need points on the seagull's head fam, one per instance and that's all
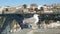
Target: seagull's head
(36, 15)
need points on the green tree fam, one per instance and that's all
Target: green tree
(41, 8)
(25, 6)
(47, 21)
(36, 9)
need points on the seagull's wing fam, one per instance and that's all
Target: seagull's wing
(29, 20)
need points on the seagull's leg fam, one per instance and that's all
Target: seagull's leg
(34, 26)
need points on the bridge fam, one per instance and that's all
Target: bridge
(19, 17)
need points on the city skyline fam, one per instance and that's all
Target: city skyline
(21, 2)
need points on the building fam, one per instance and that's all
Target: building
(56, 8)
(32, 8)
(8, 10)
(47, 9)
(21, 9)
(3, 9)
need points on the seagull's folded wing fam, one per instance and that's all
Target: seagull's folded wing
(29, 20)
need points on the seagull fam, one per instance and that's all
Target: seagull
(31, 20)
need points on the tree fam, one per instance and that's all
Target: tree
(25, 6)
(42, 8)
(36, 9)
(47, 21)
(6, 9)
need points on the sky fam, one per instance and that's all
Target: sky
(21, 2)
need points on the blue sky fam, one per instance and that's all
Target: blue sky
(21, 2)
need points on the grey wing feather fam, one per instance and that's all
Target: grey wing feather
(29, 20)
